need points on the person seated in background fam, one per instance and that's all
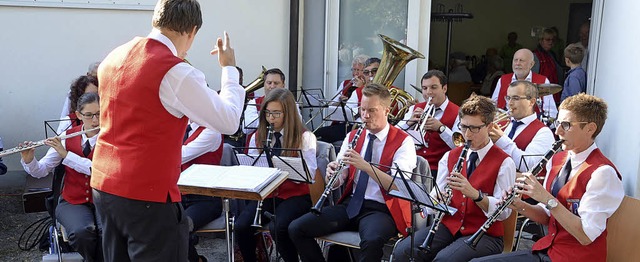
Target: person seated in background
(576, 81)
(546, 62)
(75, 210)
(79, 86)
(508, 50)
(581, 190)
(494, 72)
(291, 198)
(200, 146)
(459, 72)
(3, 167)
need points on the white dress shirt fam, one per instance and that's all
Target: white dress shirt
(308, 149)
(447, 135)
(505, 180)
(41, 168)
(184, 92)
(207, 141)
(405, 158)
(528, 158)
(549, 103)
(602, 197)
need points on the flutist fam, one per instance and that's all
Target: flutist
(365, 207)
(486, 174)
(582, 189)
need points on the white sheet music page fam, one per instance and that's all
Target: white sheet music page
(240, 178)
(294, 167)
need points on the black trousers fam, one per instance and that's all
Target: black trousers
(374, 224)
(446, 247)
(201, 210)
(333, 133)
(286, 210)
(520, 256)
(135, 230)
(83, 228)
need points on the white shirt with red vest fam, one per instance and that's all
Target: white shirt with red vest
(530, 142)
(202, 143)
(75, 164)
(549, 103)
(505, 177)
(593, 196)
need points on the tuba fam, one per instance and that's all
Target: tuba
(395, 57)
(251, 87)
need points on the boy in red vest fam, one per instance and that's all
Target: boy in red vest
(148, 93)
(525, 139)
(581, 191)
(486, 172)
(365, 207)
(439, 128)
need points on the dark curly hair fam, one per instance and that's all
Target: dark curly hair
(78, 86)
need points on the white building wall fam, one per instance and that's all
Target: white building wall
(44, 49)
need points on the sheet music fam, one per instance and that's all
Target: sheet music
(295, 169)
(253, 160)
(240, 178)
(417, 136)
(335, 113)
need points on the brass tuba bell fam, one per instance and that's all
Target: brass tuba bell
(395, 57)
(257, 83)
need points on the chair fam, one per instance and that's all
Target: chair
(623, 230)
(351, 239)
(509, 226)
(325, 153)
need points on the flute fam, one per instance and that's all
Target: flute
(19, 149)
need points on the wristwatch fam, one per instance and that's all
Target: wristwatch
(551, 203)
(441, 129)
(480, 196)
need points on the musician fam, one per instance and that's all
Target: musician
(439, 127)
(581, 191)
(486, 174)
(273, 78)
(79, 86)
(75, 210)
(365, 207)
(357, 77)
(147, 93)
(525, 139)
(91, 71)
(369, 72)
(523, 61)
(200, 146)
(291, 198)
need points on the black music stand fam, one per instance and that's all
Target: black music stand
(417, 136)
(244, 123)
(296, 166)
(47, 126)
(312, 98)
(407, 189)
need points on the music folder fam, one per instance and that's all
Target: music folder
(237, 178)
(403, 187)
(296, 167)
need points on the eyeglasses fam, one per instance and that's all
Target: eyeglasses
(473, 129)
(373, 71)
(275, 114)
(566, 125)
(90, 115)
(516, 98)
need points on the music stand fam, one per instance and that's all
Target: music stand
(407, 189)
(253, 123)
(47, 126)
(292, 165)
(418, 137)
(312, 98)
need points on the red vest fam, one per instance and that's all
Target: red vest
(209, 158)
(437, 147)
(259, 103)
(547, 65)
(470, 217)
(561, 245)
(348, 88)
(138, 154)
(526, 136)
(76, 188)
(400, 209)
(74, 119)
(506, 79)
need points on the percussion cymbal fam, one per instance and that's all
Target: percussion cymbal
(548, 89)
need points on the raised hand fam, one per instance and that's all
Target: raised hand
(226, 55)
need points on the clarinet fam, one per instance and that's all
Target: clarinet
(257, 219)
(426, 245)
(510, 197)
(317, 208)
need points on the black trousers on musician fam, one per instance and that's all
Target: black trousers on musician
(446, 247)
(285, 211)
(135, 230)
(519, 256)
(201, 210)
(374, 224)
(83, 228)
(334, 132)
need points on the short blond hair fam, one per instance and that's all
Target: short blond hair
(587, 108)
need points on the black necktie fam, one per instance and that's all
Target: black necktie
(277, 146)
(87, 149)
(186, 133)
(472, 163)
(561, 179)
(514, 126)
(363, 178)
